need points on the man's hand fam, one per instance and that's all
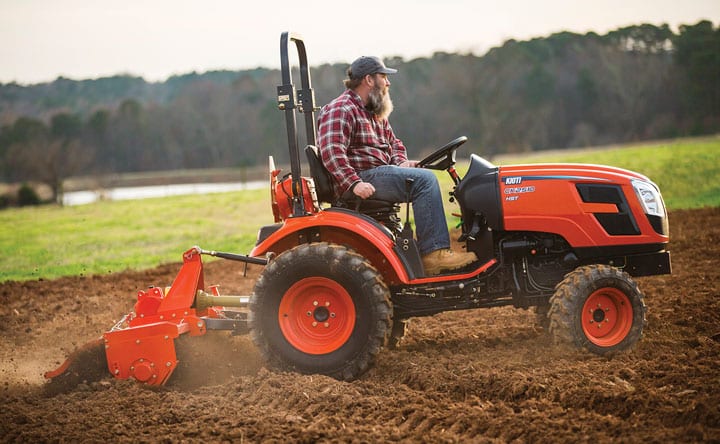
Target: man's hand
(409, 164)
(364, 190)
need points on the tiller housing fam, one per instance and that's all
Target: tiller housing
(142, 344)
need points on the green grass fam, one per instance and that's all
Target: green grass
(104, 237)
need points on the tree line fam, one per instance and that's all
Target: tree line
(565, 90)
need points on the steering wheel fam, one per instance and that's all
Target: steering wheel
(444, 157)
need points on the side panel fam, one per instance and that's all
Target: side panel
(546, 198)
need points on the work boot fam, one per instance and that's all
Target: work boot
(446, 259)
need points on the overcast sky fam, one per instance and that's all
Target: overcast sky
(80, 39)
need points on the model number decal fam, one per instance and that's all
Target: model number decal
(518, 190)
(513, 180)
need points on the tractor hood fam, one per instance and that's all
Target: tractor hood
(588, 205)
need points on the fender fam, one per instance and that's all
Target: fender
(343, 227)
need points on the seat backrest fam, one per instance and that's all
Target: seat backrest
(383, 211)
(321, 176)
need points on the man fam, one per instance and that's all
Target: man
(360, 150)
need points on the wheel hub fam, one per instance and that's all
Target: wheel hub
(321, 314)
(607, 317)
(599, 315)
(316, 315)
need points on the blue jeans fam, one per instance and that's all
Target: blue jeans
(431, 226)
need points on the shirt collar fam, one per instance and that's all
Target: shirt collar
(358, 101)
(355, 97)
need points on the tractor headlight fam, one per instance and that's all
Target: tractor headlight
(649, 197)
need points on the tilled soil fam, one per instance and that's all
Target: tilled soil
(475, 376)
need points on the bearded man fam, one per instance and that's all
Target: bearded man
(358, 147)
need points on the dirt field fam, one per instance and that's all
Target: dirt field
(475, 376)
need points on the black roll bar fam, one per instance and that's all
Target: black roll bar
(288, 100)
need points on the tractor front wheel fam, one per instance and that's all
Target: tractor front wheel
(599, 308)
(320, 308)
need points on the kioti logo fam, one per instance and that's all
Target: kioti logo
(513, 180)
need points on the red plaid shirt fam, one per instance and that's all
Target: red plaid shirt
(352, 139)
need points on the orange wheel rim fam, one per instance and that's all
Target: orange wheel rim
(607, 317)
(316, 315)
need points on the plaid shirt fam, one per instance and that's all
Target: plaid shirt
(352, 139)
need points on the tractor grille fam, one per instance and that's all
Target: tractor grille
(621, 223)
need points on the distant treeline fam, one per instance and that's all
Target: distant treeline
(566, 90)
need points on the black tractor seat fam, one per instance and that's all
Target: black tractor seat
(385, 212)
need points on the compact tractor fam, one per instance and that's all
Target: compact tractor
(342, 278)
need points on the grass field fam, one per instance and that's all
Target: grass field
(105, 237)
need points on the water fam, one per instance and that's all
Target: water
(127, 193)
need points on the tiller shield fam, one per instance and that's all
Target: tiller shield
(142, 344)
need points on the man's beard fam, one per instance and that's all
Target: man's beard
(379, 103)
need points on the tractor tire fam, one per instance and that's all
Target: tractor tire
(320, 309)
(598, 308)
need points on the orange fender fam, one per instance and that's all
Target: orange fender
(354, 231)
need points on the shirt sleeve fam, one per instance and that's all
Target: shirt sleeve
(334, 132)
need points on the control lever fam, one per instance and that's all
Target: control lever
(408, 185)
(405, 240)
(474, 230)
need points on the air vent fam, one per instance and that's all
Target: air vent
(621, 223)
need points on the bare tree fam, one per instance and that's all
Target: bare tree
(50, 161)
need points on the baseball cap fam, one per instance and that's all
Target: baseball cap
(365, 65)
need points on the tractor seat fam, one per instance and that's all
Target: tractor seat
(382, 210)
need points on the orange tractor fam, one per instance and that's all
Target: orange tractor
(341, 279)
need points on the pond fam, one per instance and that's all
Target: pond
(127, 193)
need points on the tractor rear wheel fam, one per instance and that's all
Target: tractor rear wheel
(320, 308)
(599, 308)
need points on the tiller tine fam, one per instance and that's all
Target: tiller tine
(86, 364)
(141, 346)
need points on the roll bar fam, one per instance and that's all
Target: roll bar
(290, 99)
